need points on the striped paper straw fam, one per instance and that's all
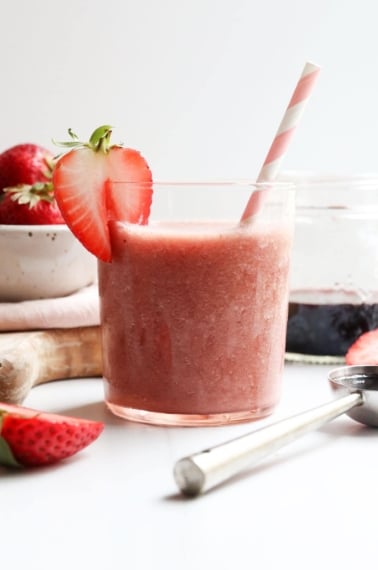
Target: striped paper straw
(288, 125)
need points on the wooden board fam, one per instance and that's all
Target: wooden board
(35, 357)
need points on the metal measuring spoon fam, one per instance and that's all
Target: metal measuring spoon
(358, 388)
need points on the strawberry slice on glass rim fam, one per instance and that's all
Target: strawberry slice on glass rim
(97, 182)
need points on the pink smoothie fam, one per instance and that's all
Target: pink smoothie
(194, 318)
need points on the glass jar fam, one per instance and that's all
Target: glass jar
(334, 272)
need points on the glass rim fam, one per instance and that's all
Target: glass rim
(214, 183)
(311, 178)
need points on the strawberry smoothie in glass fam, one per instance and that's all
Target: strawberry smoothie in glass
(194, 306)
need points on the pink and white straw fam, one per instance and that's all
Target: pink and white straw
(285, 132)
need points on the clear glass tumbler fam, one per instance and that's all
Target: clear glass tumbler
(194, 306)
(334, 272)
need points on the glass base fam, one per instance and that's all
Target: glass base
(314, 359)
(187, 420)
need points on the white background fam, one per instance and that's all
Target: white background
(199, 86)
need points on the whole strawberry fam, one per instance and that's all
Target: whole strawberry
(26, 191)
(29, 438)
(25, 164)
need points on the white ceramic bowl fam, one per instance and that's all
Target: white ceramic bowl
(39, 262)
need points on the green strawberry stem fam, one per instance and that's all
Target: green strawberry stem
(100, 139)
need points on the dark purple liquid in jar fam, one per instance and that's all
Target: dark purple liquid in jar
(327, 328)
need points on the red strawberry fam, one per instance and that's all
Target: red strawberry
(25, 164)
(97, 182)
(364, 350)
(30, 205)
(30, 438)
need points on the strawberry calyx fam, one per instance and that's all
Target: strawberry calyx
(30, 194)
(99, 141)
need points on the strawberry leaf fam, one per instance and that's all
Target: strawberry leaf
(31, 194)
(73, 135)
(6, 456)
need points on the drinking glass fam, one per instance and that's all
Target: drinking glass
(194, 305)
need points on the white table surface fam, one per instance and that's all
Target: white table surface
(311, 505)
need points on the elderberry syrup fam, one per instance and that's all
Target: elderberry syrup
(328, 329)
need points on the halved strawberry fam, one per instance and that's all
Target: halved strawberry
(95, 183)
(31, 438)
(364, 350)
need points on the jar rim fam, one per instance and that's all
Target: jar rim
(311, 178)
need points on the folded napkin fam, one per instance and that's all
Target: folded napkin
(80, 309)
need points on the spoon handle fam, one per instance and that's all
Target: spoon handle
(200, 472)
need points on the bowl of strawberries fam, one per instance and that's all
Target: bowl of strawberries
(39, 255)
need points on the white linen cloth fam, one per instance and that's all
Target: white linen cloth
(80, 309)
